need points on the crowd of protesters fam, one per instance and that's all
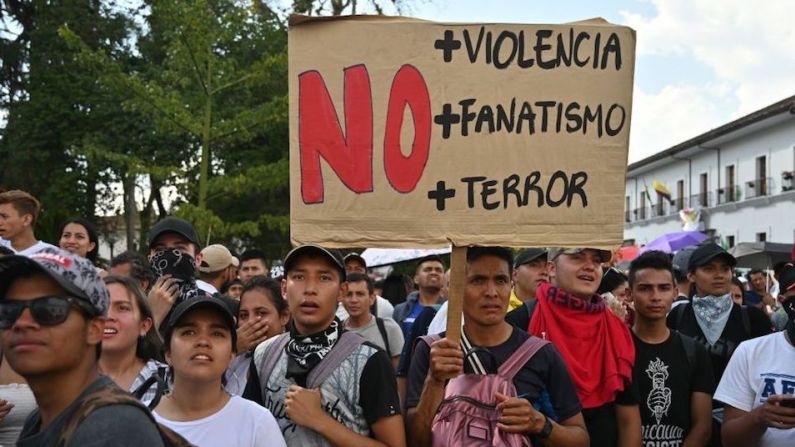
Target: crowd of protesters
(192, 345)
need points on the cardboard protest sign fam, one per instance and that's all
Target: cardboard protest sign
(407, 133)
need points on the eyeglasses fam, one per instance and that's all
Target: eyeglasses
(46, 310)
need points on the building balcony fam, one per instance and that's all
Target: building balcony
(787, 181)
(728, 195)
(758, 188)
(703, 200)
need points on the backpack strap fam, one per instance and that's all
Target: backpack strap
(269, 358)
(689, 345)
(746, 319)
(344, 347)
(531, 307)
(428, 339)
(382, 329)
(679, 315)
(521, 356)
(159, 378)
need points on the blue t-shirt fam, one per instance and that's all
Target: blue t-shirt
(409, 320)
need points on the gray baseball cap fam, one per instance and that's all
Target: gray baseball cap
(75, 274)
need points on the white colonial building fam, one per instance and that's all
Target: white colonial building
(738, 177)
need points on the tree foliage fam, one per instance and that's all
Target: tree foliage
(162, 107)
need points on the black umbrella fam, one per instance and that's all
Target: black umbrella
(761, 255)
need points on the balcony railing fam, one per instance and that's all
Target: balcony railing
(728, 195)
(758, 188)
(787, 181)
(703, 200)
(748, 190)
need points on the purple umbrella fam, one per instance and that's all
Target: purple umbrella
(672, 242)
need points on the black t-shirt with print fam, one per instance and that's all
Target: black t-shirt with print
(666, 381)
(544, 380)
(733, 333)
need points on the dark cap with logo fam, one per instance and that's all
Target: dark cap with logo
(333, 256)
(174, 225)
(203, 301)
(529, 255)
(75, 274)
(705, 253)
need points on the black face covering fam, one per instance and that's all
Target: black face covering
(304, 352)
(179, 266)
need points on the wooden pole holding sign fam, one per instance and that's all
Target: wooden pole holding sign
(455, 302)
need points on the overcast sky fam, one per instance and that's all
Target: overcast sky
(700, 63)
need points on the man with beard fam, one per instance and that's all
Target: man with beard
(429, 278)
(758, 386)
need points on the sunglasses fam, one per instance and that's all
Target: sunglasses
(46, 310)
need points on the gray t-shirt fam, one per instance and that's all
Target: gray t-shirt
(371, 333)
(113, 425)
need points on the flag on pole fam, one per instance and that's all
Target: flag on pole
(662, 191)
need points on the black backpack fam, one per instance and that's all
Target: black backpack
(679, 316)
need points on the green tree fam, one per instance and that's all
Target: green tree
(212, 74)
(51, 105)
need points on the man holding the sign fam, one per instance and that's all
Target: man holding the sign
(543, 381)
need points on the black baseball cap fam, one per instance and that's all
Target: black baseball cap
(529, 255)
(356, 256)
(203, 301)
(174, 225)
(333, 256)
(704, 254)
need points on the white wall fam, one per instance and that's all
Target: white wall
(773, 215)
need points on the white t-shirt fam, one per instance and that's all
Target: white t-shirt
(35, 248)
(240, 423)
(371, 333)
(439, 322)
(760, 367)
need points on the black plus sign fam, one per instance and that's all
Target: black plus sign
(448, 45)
(441, 194)
(446, 119)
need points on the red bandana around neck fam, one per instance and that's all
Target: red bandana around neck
(595, 344)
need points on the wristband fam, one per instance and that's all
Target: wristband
(547, 430)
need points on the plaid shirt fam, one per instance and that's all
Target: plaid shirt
(149, 369)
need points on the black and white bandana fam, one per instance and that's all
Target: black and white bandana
(304, 352)
(181, 267)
